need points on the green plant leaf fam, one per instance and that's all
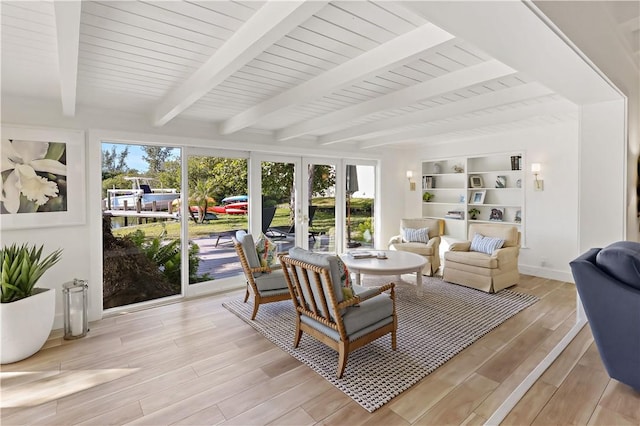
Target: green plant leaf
(55, 150)
(21, 268)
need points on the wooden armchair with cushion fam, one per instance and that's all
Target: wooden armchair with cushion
(342, 317)
(414, 239)
(488, 261)
(266, 281)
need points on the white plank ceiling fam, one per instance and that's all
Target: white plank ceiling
(363, 73)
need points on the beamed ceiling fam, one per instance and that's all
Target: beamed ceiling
(362, 73)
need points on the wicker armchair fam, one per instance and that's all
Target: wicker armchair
(266, 284)
(323, 312)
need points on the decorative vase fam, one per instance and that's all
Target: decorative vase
(26, 325)
(436, 168)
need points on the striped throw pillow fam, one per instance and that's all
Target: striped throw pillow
(486, 245)
(411, 235)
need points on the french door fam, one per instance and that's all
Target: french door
(320, 201)
(303, 192)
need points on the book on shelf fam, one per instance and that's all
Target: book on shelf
(428, 182)
(454, 214)
(516, 162)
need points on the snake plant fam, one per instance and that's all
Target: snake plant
(20, 269)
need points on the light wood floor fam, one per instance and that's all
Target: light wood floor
(196, 363)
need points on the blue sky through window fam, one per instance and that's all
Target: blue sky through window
(134, 159)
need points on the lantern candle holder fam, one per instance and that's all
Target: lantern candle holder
(75, 309)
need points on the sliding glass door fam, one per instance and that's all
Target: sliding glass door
(140, 223)
(151, 191)
(217, 207)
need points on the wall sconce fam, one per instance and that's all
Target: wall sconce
(412, 184)
(538, 184)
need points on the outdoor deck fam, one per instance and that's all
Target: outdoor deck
(219, 259)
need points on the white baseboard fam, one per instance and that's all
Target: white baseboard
(552, 274)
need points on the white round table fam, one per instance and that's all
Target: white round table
(396, 263)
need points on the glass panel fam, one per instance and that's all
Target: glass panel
(278, 192)
(218, 205)
(360, 196)
(141, 225)
(321, 185)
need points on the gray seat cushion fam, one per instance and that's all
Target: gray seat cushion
(272, 281)
(367, 313)
(359, 320)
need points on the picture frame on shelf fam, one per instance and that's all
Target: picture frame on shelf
(497, 214)
(501, 181)
(478, 197)
(475, 181)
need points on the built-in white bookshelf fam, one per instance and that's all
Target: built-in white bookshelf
(492, 184)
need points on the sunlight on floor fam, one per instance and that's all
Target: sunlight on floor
(27, 389)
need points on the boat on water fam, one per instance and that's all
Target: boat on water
(144, 191)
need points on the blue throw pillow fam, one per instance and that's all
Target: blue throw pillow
(486, 245)
(411, 235)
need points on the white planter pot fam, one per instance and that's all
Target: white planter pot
(26, 325)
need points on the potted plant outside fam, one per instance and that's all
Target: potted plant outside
(26, 311)
(474, 213)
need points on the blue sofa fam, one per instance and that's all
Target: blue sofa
(608, 282)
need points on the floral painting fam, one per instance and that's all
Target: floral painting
(34, 176)
(42, 180)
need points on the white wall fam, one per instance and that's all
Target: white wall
(602, 175)
(551, 216)
(394, 193)
(589, 25)
(74, 263)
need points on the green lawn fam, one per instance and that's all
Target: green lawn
(323, 220)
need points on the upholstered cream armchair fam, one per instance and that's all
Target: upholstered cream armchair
(418, 242)
(478, 263)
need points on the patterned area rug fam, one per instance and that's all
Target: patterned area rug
(432, 329)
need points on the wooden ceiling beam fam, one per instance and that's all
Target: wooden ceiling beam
(267, 25)
(67, 15)
(385, 57)
(449, 82)
(551, 107)
(476, 103)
